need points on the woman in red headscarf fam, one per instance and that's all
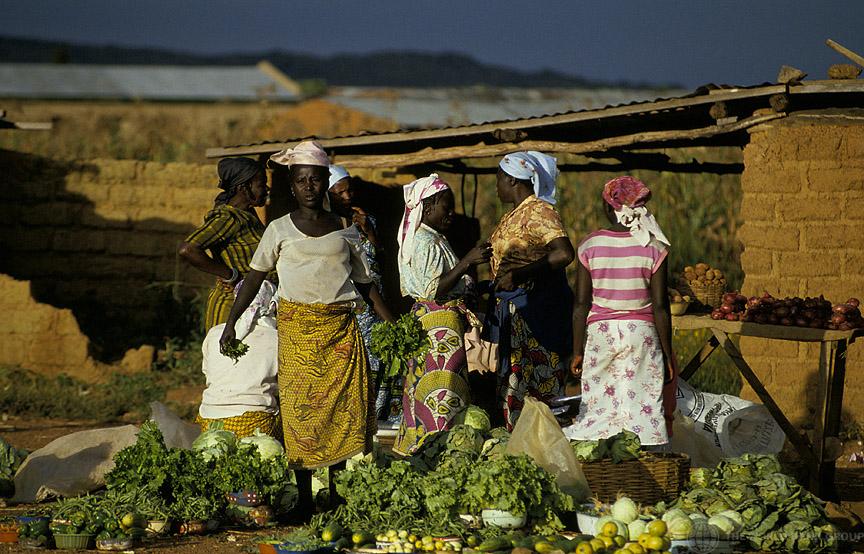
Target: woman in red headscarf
(622, 337)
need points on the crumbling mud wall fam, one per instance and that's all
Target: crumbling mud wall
(89, 248)
(803, 235)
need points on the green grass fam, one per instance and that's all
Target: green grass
(718, 374)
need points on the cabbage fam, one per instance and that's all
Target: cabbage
(723, 524)
(735, 517)
(475, 417)
(215, 441)
(625, 510)
(464, 438)
(701, 530)
(672, 514)
(622, 527)
(698, 516)
(679, 527)
(700, 477)
(267, 446)
(586, 451)
(637, 527)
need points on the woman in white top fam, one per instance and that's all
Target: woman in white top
(324, 389)
(436, 387)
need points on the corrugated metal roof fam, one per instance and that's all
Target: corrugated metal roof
(134, 82)
(426, 108)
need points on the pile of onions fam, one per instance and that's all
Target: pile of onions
(846, 316)
(732, 309)
(816, 313)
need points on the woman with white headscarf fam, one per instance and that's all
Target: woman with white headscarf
(343, 200)
(436, 387)
(531, 321)
(622, 325)
(325, 395)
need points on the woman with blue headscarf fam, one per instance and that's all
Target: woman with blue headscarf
(531, 321)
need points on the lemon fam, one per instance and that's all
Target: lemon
(607, 541)
(584, 548)
(643, 540)
(654, 543)
(657, 528)
(403, 534)
(635, 548)
(412, 537)
(609, 529)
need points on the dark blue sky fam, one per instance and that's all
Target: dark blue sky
(689, 42)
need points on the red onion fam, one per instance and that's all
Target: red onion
(786, 321)
(837, 319)
(854, 302)
(731, 317)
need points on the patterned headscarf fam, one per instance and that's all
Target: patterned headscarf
(234, 173)
(539, 168)
(414, 193)
(628, 196)
(337, 173)
(308, 152)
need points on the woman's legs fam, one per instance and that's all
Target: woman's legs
(305, 502)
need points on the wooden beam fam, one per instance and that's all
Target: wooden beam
(670, 104)
(34, 125)
(857, 58)
(483, 150)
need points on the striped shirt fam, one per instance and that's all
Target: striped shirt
(621, 271)
(231, 235)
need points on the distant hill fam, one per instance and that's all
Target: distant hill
(388, 69)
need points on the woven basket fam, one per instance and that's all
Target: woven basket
(648, 480)
(709, 294)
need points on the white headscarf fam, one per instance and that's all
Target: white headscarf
(337, 173)
(414, 193)
(263, 305)
(642, 224)
(537, 167)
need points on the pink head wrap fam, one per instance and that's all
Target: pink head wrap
(626, 191)
(627, 196)
(414, 193)
(308, 152)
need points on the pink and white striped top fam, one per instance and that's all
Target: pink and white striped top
(621, 271)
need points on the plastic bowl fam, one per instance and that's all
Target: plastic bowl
(158, 526)
(503, 519)
(72, 542)
(586, 523)
(244, 498)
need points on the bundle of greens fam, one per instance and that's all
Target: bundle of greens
(10, 459)
(396, 343)
(236, 350)
(618, 448)
(517, 484)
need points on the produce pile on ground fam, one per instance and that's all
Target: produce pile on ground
(743, 499)
(816, 313)
(221, 479)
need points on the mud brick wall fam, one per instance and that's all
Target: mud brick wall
(803, 235)
(89, 249)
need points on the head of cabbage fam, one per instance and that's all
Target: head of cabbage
(215, 441)
(267, 446)
(475, 417)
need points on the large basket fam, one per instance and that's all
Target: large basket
(709, 294)
(648, 480)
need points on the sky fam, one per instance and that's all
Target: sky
(690, 42)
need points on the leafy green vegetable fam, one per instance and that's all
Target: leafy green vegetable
(10, 459)
(397, 343)
(267, 446)
(464, 438)
(215, 441)
(620, 447)
(475, 417)
(236, 350)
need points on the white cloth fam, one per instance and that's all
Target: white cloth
(433, 258)
(313, 270)
(263, 305)
(642, 224)
(414, 193)
(337, 173)
(537, 167)
(250, 384)
(622, 383)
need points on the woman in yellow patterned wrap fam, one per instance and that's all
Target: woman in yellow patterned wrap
(325, 393)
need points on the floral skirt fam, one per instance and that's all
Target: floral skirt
(246, 424)
(534, 371)
(436, 388)
(622, 383)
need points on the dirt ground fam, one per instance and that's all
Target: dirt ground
(35, 433)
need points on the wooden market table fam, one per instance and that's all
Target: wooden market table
(832, 375)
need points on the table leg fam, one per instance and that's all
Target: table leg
(832, 374)
(799, 441)
(699, 359)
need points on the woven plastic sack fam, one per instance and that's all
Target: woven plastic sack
(538, 434)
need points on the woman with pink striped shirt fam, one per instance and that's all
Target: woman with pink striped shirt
(622, 325)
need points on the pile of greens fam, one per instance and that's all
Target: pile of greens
(460, 471)
(10, 459)
(618, 448)
(768, 508)
(396, 343)
(192, 484)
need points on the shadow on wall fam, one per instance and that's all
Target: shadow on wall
(103, 262)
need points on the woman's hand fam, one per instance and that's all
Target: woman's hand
(480, 254)
(576, 366)
(227, 338)
(361, 220)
